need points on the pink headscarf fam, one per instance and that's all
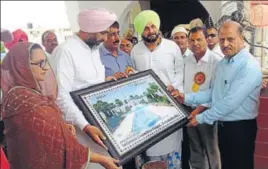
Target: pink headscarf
(95, 20)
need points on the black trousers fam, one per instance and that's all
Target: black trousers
(185, 154)
(237, 143)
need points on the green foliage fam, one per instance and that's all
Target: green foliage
(3, 48)
(152, 94)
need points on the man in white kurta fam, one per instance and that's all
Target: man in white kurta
(164, 58)
(200, 68)
(180, 36)
(77, 65)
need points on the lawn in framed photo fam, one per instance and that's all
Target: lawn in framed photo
(134, 113)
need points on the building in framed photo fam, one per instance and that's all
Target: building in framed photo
(134, 113)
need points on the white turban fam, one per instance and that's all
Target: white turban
(178, 29)
(96, 20)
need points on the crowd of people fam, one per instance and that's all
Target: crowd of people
(206, 68)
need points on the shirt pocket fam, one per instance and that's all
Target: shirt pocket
(226, 88)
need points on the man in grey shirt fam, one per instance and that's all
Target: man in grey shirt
(114, 60)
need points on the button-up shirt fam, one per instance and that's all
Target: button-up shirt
(187, 53)
(165, 60)
(112, 63)
(235, 92)
(207, 65)
(76, 66)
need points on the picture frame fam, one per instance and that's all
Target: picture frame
(133, 113)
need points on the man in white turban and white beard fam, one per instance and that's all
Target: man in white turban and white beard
(76, 64)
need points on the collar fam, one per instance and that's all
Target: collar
(241, 55)
(105, 51)
(186, 53)
(81, 41)
(216, 47)
(205, 58)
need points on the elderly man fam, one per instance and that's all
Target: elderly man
(114, 60)
(126, 46)
(164, 58)
(199, 69)
(49, 41)
(235, 99)
(180, 36)
(213, 41)
(77, 64)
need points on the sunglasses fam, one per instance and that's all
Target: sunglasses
(212, 35)
(42, 64)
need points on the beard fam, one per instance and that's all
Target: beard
(93, 42)
(151, 38)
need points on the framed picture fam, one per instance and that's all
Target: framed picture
(134, 113)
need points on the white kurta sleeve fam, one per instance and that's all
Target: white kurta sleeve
(64, 69)
(177, 82)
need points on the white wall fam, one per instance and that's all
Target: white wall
(73, 8)
(121, 8)
(213, 8)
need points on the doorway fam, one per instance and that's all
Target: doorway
(173, 12)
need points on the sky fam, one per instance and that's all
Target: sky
(45, 14)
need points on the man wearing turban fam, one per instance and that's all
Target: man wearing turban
(77, 64)
(164, 57)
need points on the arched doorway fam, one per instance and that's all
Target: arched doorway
(173, 13)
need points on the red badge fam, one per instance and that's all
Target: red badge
(199, 78)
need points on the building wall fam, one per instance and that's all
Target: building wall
(119, 7)
(125, 10)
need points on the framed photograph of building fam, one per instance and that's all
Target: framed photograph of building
(134, 113)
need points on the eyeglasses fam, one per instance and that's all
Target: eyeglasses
(212, 35)
(42, 64)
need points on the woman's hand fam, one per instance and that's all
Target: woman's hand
(105, 161)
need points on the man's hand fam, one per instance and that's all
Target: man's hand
(178, 96)
(194, 113)
(109, 78)
(119, 75)
(199, 109)
(264, 83)
(193, 122)
(95, 134)
(170, 88)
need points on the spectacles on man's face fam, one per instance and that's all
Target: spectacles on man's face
(42, 64)
(212, 35)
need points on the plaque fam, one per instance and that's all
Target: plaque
(134, 113)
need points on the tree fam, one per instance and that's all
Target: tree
(142, 101)
(2, 48)
(118, 102)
